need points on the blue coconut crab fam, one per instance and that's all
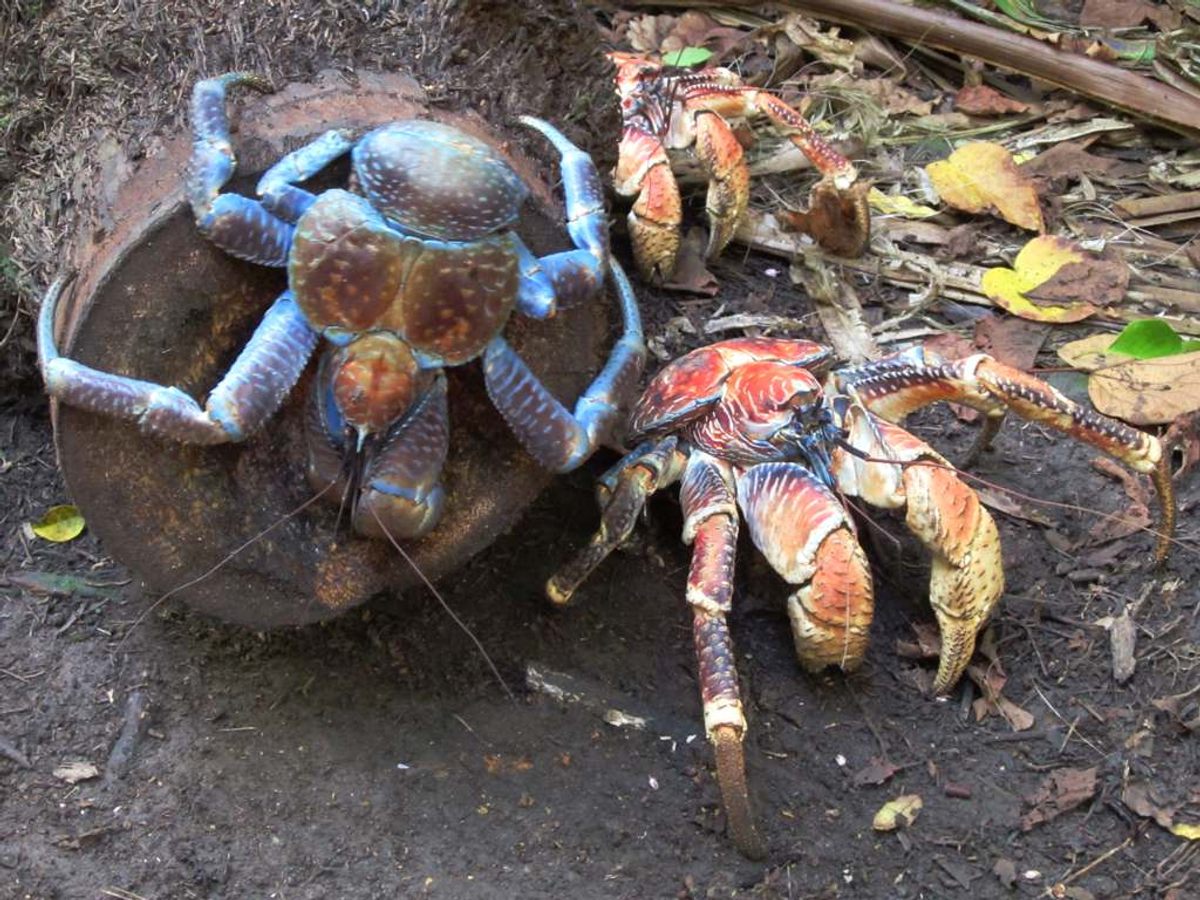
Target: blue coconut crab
(417, 271)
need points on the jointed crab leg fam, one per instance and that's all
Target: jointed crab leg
(249, 394)
(711, 525)
(728, 180)
(277, 187)
(893, 388)
(623, 492)
(572, 276)
(239, 225)
(557, 438)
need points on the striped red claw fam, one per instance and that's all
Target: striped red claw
(750, 433)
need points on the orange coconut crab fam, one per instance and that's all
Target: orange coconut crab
(745, 425)
(665, 109)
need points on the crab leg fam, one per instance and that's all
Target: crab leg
(806, 535)
(946, 516)
(559, 439)
(622, 492)
(237, 224)
(277, 187)
(895, 387)
(711, 525)
(574, 275)
(644, 171)
(249, 394)
(728, 179)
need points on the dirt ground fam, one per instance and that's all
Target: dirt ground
(377, 755)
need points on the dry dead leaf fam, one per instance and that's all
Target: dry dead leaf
(1049, 279)
(691, 273)
(1127, 14)
(899, 812)
(1061, 791)
(74, 772)
(1069, 160)
(1141, 798)
(892, 97)
(1148, 391)
(1013, 341)
(877, 771)
(991, 681)
(1133, 517)
(1091, 353)
(981, 100)
(982, 176)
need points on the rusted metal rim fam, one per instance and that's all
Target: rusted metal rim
(154, 300)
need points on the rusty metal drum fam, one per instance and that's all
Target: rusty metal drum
(230, 529)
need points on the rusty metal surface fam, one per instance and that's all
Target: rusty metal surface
(154, 300)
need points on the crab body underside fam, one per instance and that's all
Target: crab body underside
(414, 271)
(749, 433)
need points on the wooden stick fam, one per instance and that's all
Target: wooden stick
(1102, 81)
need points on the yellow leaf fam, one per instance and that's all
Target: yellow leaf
(1037, 263)
(982, 176)
(59, 524)
(1188, 832)
(1091, 353)
(898, 205)
(901, 811)
(1148, 391)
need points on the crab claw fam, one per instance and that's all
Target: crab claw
(838, 220)
(644, 171)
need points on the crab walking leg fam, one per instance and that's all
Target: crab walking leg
(240, 226)
(576, 275)
(804, 532)
(728, 179)
(557, 438)
(740, 101)
(644, 172)
(711, 525)
(249, 394)
(946, 516)
(277, 187)
(402, 483)
(893, 388)
(623, 492)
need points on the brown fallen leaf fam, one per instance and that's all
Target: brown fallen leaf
(1053, 279)
(837, 220)
(1103, 280)
(1148, 391)
(691, 273)
(1013, 341)
(1127, 14)
(890, 96)
(1142, 799)
(877, 771)
(991, 681)
(982, 100)
(74, 772)
(1061, 791)
(981, 177)
(1068, 161)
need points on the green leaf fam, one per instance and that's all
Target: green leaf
(688, 56)
(59, 524)
(1150, 339)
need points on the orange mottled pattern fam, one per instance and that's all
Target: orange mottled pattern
(346, 269)
(838, 605)
(375, 381)
(455, 299)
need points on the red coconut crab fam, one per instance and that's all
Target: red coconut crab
(416, 272)
(745, 425)
(667, 109)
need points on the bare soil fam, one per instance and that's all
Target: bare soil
(378, 756)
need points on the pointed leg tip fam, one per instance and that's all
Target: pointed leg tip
(735, 796)
(559, 592)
